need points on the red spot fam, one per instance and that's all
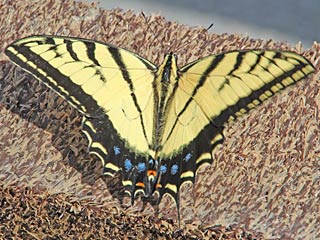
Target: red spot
(152, 173)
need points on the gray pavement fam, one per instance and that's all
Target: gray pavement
(281, 20)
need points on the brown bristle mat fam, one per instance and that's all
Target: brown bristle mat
(264, 182)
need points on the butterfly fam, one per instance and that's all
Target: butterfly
(155, 124)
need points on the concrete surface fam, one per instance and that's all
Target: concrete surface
(282, 20)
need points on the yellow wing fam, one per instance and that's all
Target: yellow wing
(99, 80)
(212, 91)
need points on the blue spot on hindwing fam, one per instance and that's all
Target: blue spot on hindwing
(116, 150)
(153, 162)
(163, 169)
(188, 157)
(141, 167)
(128, 165)
(174, 169)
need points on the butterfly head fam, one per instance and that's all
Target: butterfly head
(167, 70)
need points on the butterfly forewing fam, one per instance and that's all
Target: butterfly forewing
(97, 79)
(236, 82)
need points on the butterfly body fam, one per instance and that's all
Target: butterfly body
(157, 125)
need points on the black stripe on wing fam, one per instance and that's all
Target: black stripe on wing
(202, 81)
(243, 103)
(304, 67)
(53, 78)
(126, 76)
(45, 71)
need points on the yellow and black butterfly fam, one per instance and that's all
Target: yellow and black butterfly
(156, 124)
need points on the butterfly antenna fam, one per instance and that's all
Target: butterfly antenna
(155, 34)
(210, 26)
(149, 28)
(193, 38)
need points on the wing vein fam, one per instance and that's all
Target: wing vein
(126, 76)
(201, 82)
